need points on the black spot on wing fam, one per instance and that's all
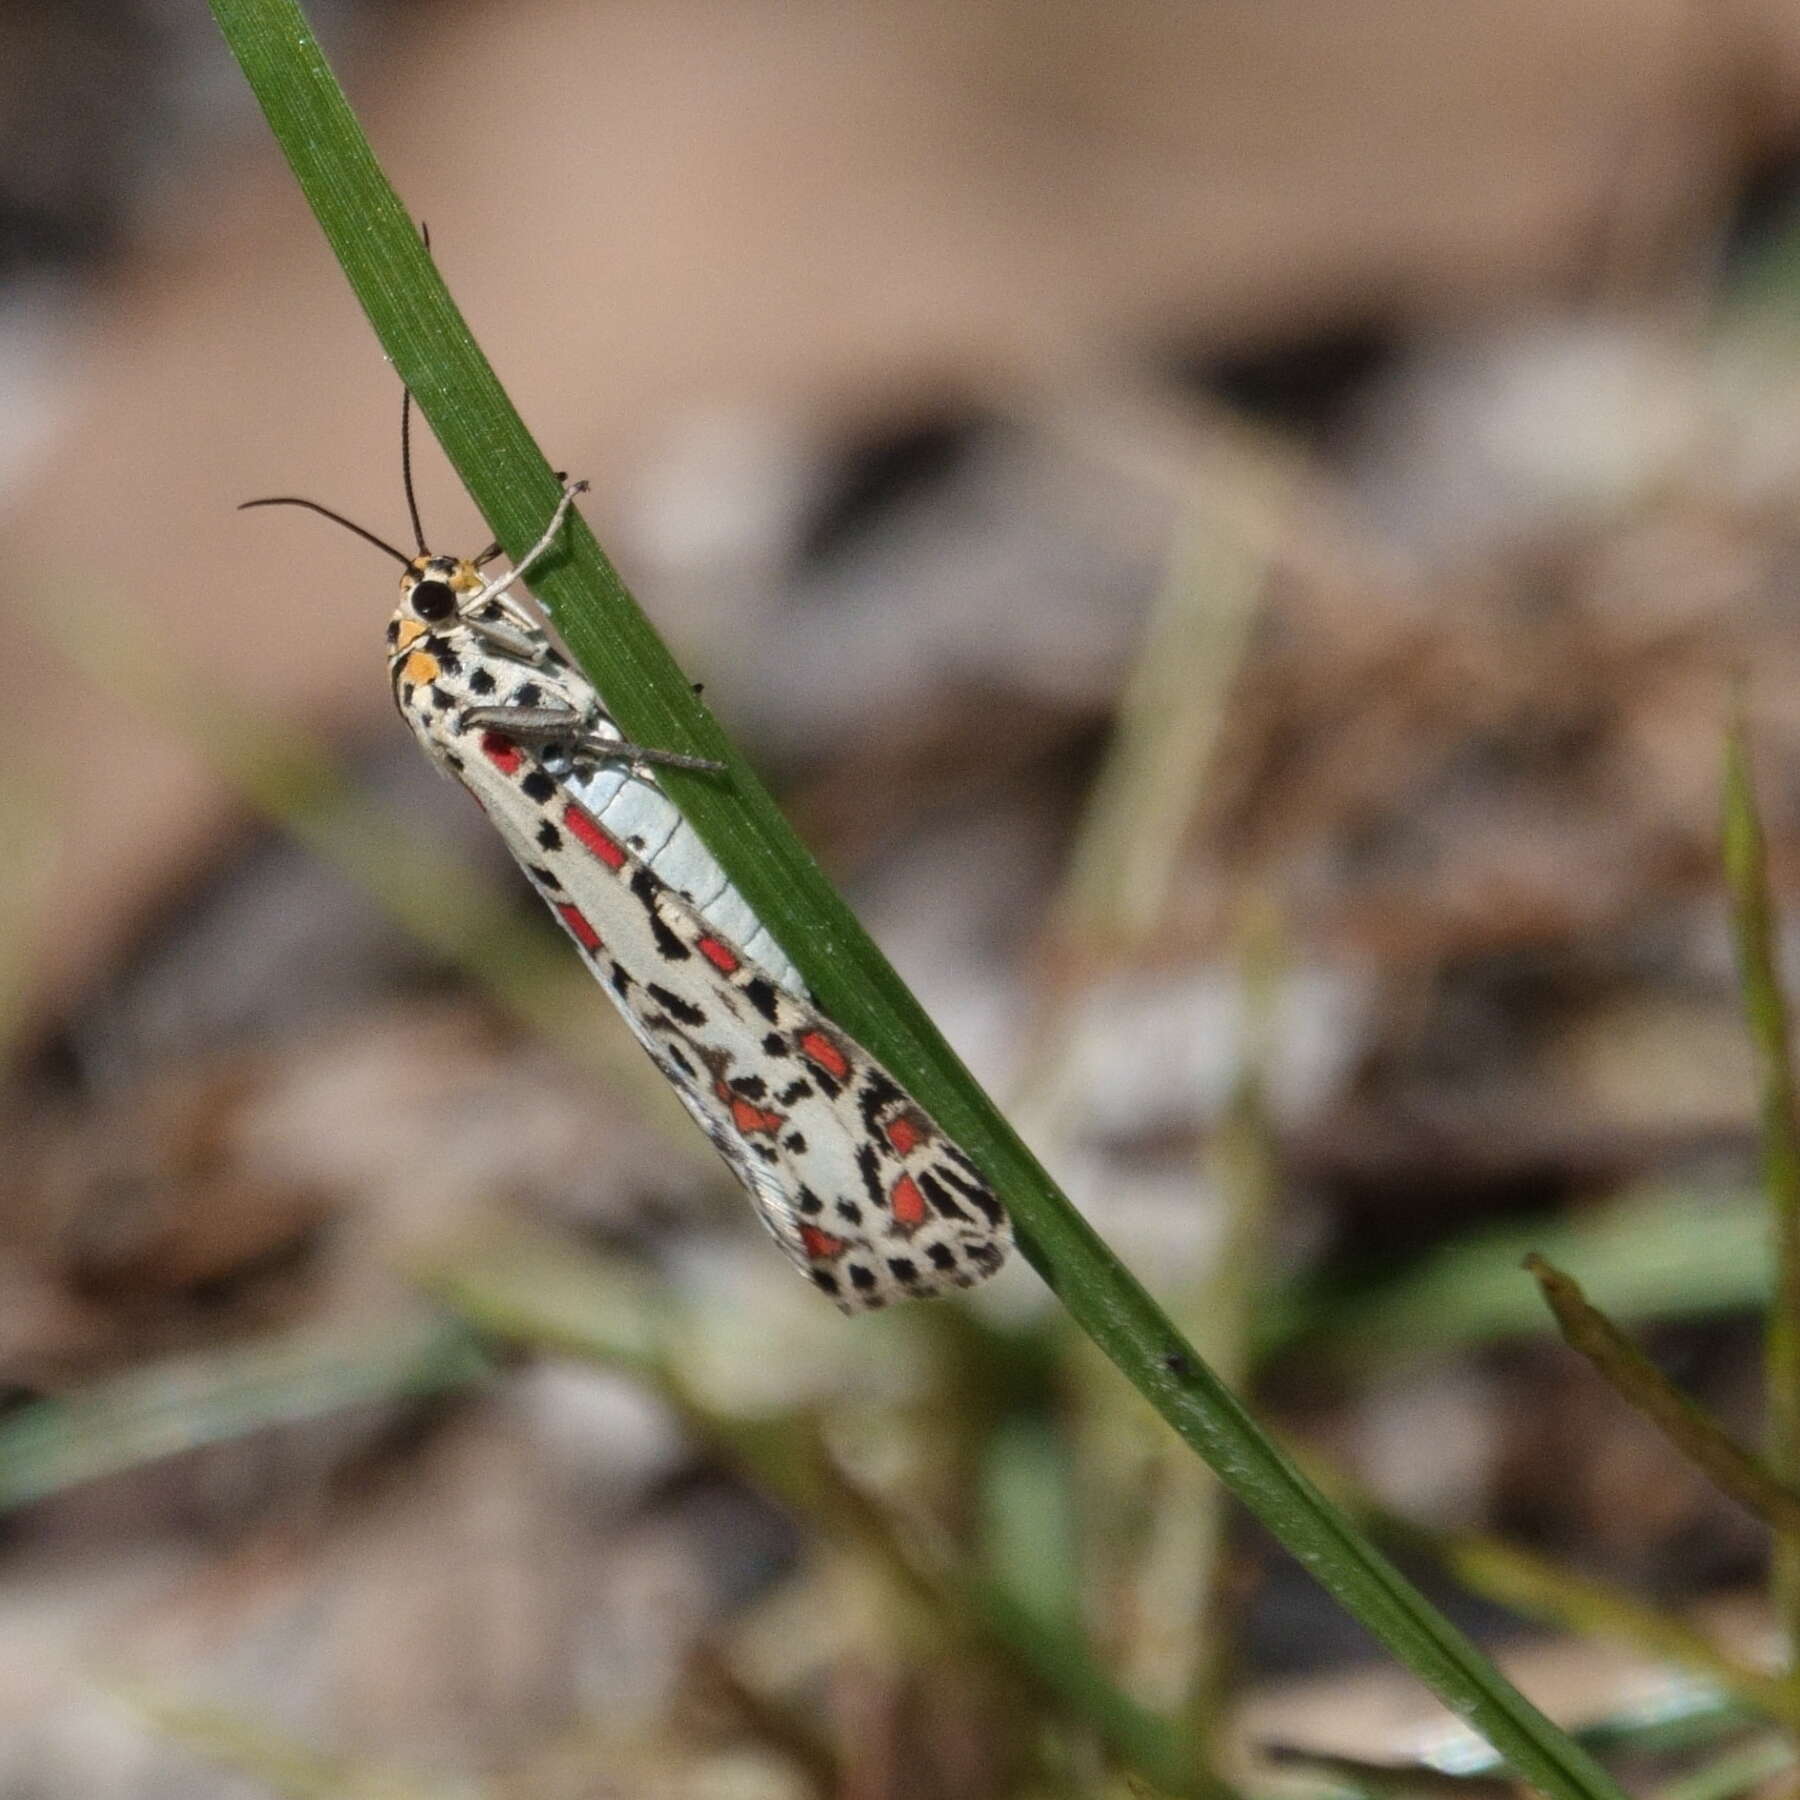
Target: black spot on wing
(676, 1007)
(962, 1162)
(941, 1203)
(878, 1091)
(760, 991)
(974, 1190)
(647, 888)
(539, 787)
(868, 1165)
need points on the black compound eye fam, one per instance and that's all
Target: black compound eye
(433, 600)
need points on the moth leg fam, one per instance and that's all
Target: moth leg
(641, 756)
(514, 644)
(592, 747)
(541, 726)
(567, 728)
(494, 589)
(496, 547)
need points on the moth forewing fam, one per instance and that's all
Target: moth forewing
(852, 1177)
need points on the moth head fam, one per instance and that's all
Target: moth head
(431, 591)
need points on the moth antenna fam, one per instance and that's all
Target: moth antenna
(399, 556)
(412, 503)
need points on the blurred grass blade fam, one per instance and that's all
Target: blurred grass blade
(170, 1407)
(1135, 826)
(26, 872)
(551, 1297)
(513, 484)
(1060, 1663)
(1538, 1589)
(1749, 1768)
(1679, 1714)
(275, 1759)
(1765, 1007)
(1660, 1252)
(1391, 1780)
(1638, 1381)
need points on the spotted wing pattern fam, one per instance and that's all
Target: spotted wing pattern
(855, 1181)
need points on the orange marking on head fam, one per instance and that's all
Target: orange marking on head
(421, 669)
(411, 630)
(719, 955)
(908, 1203)
(820, 1051)
(821, 1246)
(591, 838)
(904, 1133)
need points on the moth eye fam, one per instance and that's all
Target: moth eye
(433, 601)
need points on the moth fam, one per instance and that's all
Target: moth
(854, 1180)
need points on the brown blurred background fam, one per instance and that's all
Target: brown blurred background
(1231, 528)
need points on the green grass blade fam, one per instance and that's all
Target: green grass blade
(1660, 1252)
(515, 488)
(1766, 1009)
(1688, 1427)
(224, 1395)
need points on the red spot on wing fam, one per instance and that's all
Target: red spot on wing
(907, 1202)
(748, 1117)
(719, 955)
(823, 1054)
(502, 752)
(577, 921)
(904, 1134)
(592, 838)
(821, 1246)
